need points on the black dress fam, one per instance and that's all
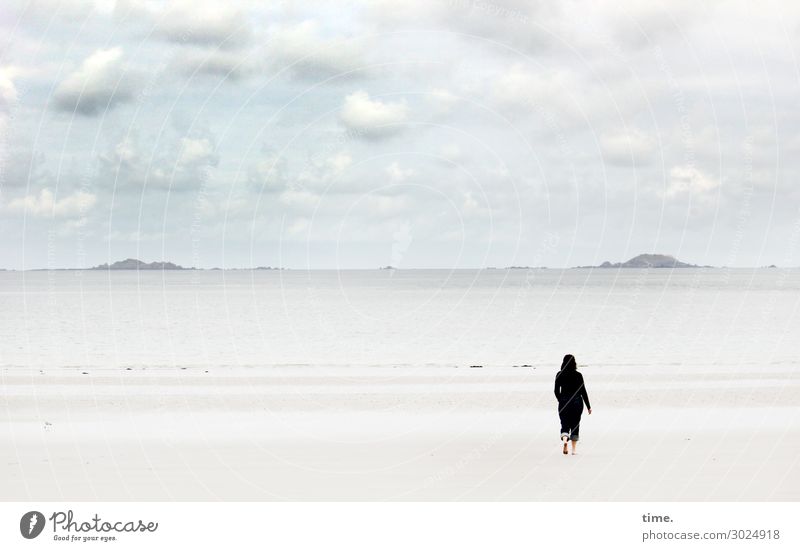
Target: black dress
(571, 394)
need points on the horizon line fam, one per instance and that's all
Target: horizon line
(381, 268)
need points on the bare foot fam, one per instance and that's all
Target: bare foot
(564, 439)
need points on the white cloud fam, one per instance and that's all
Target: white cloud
(398, 174)
(383, 206)
(306, 54)
(8, 97)
(197, 152)
(42, 11)
(519, 88)
(451, 153)
(565, 99)
(300, 199)
(627, 147)
(472, 207)
(177, 164)
(503, 21)
(340, 162)
(516, 87)
(200, 22)
(126, 152)
(100, 84)
(298, 226)
(217, 63)
(268, 173)
(686, 180)
(206, 23)
(443, 101)
(372, 118)
(8, 92)
(21, 167)
(46, 204)
(320, 175)
(641, 24)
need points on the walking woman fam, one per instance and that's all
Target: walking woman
(571, 394)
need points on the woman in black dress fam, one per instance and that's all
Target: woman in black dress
(571, 394)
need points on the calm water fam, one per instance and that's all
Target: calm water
(718, 318)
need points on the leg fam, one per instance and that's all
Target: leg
(576, 428)
(575, 436)
(563, 416)
(574, 433)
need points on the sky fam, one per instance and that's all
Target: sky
(411, 133)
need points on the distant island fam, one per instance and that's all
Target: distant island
(648, 261)
(642, 261)
(134, 264)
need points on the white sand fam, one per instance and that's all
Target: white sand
(406, 433)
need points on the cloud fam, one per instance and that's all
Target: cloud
(472, 207)
(200, 22)
(509, 22)
(197, 152)
(267, 174)
(442, 101)
(451, 154)
(564, 99)
(41, 12)
(300, 200)
(100, 84)
(307, 55)
(216, 63)
(638, 25)
(46, 204)
(339, 163)
(22, 167)
(382, 207)
(321, 175)
(205, 23)
(298, 226)
(372, 118)
(686, 180)
(8, 92)
(518, 88)
(176, 164)
(8, 98)
(398, 174)
(627, 147)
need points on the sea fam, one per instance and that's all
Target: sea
(658, 319)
